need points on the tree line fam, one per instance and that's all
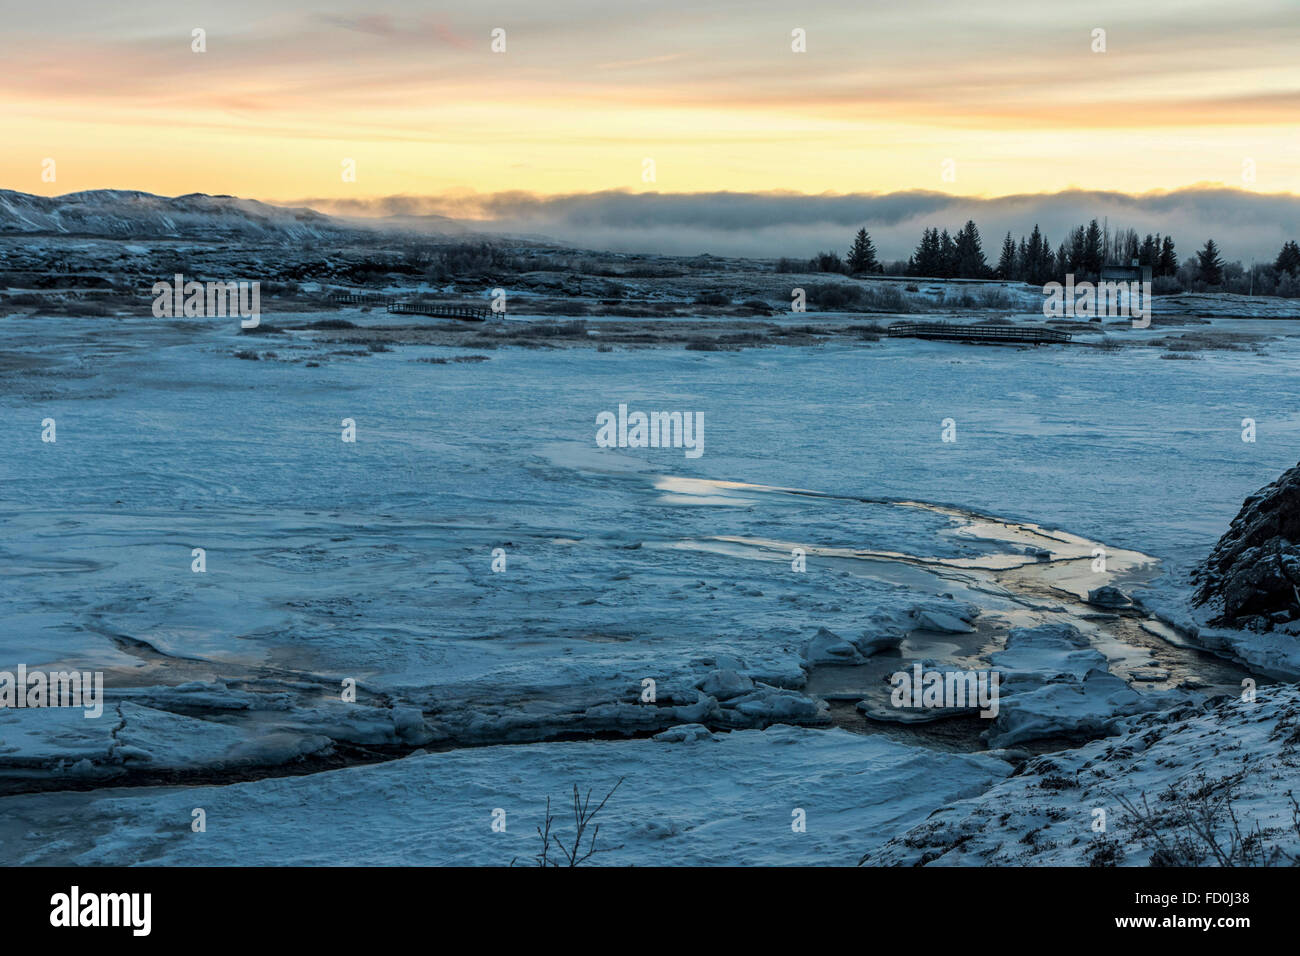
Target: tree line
(1083, 252)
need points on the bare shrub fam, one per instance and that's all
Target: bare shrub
(888, 298)
(994, 299)
(834, 296)
(555, 850)
(1200, 826)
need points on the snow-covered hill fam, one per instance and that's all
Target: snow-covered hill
(121, 213)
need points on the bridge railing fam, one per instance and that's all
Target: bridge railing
(978, 333)
(358, 298)
(399, 307)
(441, 311)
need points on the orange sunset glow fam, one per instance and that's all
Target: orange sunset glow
(935, 95)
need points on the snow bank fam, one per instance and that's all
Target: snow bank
(687, 798)
(1048, 813)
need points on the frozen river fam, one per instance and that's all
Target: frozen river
(373, 561)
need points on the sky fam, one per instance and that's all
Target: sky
(963, 97)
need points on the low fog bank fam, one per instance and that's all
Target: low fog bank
(1246, 225)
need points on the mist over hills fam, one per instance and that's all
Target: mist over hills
(1247, 226)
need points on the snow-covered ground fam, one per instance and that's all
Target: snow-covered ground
(328, 560)
(1175, 774)
(704, 800)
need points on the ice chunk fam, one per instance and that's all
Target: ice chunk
(827, 647)
(685, 734)
(725, 684)
(932, 619)
(1107, 596)
(873, 642)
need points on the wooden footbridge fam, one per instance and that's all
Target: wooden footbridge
(989, 334)
(440, 311)
(398, 307)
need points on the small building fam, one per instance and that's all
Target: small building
(1129, 273)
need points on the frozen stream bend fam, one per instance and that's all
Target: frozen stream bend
(182, 714)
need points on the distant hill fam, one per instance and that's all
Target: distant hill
(129, 214)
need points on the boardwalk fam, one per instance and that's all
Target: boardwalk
(358, 298)
(991, 334)
(440, 311)
(397, 307)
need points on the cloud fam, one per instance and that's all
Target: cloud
(1245, 225)
(376, 24)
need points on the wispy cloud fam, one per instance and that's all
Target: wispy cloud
(376, 24)
(1012, 91)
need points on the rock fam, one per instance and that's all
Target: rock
(1252, 577)
(724, 684)
(1107, 596)
(932, 619)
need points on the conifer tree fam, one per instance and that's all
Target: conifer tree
(947, 256)
(1150, 251)
(1209, 267)
(970, 253)
(924, 261)
(1288, 260)
(1168, 258)
(1092, 249)
(1039, 268)
(1007, 261)
(862, 257)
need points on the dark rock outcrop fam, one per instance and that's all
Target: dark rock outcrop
(1252, 577)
